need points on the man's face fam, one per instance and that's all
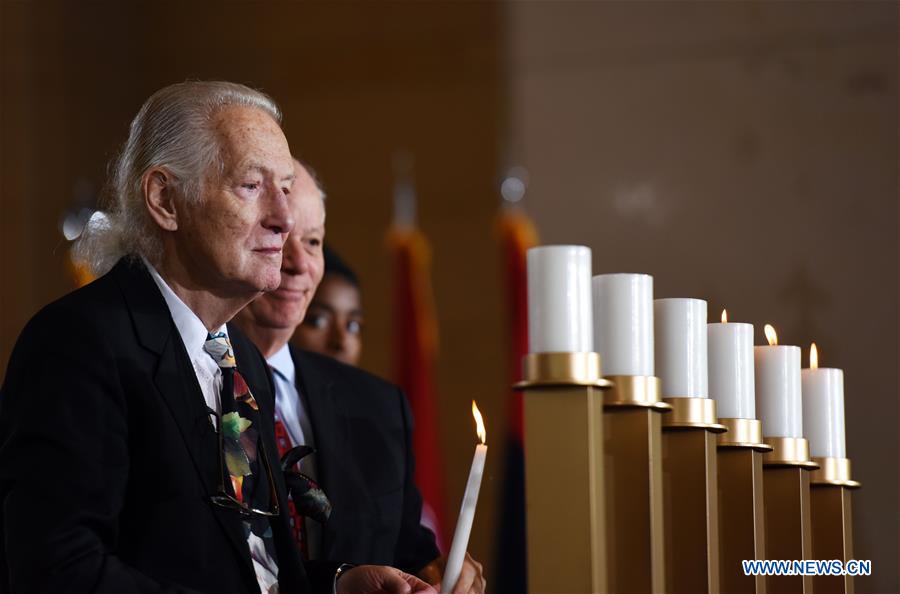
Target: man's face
(303, 265)
(231, 240)
(333, 325)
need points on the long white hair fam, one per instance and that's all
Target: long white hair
(173, 129)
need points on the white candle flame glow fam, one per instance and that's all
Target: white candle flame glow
(771, 336)
(724, 316)
(813, 356)
(479, 423)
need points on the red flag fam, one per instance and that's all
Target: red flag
(517, 234)
(415, 350)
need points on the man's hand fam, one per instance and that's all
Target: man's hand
(471, 578)
(378, 579)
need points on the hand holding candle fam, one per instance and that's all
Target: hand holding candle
(467, 510)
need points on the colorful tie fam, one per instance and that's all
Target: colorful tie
(241, 440)
(240, 422)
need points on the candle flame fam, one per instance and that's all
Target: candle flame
(771, 336)
(813, 356)
(479, 423)
(724, 316)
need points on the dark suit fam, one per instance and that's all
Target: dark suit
(107, 457)
(362, 428)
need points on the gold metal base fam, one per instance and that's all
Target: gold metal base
(691, 511)
(788, 523)
(564, 489)
(641, 391)
(788, 451)
(832, 531)
(692, 413)
(634, 485)
(743, 433)
(742, 530)
(833, 471)
(548, 370)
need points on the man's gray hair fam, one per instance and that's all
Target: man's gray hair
(173, 129)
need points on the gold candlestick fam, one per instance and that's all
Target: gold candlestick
(564, 466)
(788, 521)
(691, 510)
(634, 484)
(741, 507)
(832, 525)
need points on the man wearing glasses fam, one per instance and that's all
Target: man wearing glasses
(137, 450)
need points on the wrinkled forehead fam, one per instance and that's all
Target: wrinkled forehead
(250, 140)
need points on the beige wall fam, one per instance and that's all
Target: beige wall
(744, 153)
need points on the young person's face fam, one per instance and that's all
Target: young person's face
(334, 321)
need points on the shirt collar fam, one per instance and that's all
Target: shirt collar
(283, 363)
(190, 327)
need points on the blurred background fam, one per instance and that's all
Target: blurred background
(741, 152)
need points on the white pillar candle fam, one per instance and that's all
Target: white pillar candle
(559, 299)
(823, 410)
(777, 372)
(623, 323)
(731, 384)
(680, 347)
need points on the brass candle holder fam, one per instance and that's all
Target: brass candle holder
(786, 486)
(632, 424)
(690, 495)
(832, 525)
(741, 506)
(564, 468)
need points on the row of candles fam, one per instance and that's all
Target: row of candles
(616, 316)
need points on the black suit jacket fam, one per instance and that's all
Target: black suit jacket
(107, 457)
(362, 428)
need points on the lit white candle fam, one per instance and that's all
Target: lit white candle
(623, 323)
(777, 372)
(559, 299)
(731, 385)
(680, 347)
(467, 511)
(823, 408)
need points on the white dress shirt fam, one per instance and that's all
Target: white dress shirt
(193, 334)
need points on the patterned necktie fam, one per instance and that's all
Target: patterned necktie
(241, 440)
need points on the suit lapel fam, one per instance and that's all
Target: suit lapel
(178, 387)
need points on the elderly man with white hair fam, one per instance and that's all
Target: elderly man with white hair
(137, 448)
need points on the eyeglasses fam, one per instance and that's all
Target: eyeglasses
(226, 500)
